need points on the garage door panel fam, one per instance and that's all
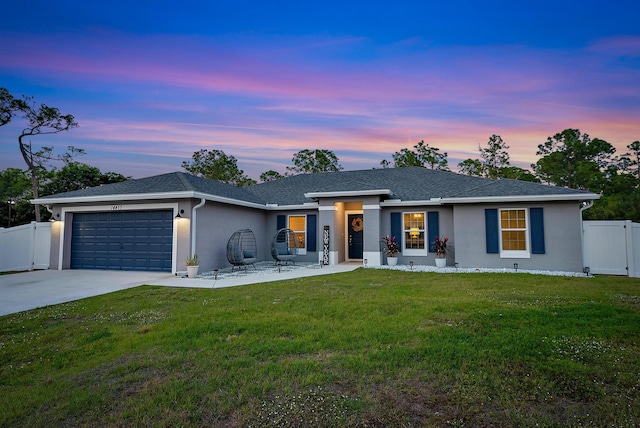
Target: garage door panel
(125, 240)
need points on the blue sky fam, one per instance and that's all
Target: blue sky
(153, 81)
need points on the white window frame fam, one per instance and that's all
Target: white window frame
(301, 251)
(515, 254)
(412, 251)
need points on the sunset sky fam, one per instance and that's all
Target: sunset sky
(150, 82)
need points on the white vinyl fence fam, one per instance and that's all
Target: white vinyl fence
(25, 247)
(612, 247)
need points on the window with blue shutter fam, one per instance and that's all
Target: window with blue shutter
(433, 229)
(492, 230)
(536, 216)
(281, 222)
(311, 232)
(396, 227)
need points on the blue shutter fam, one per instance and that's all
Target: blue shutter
(536, 217)
(396, 227)
(312, 231)
(491, 229)
(433, 229)
(282, 222)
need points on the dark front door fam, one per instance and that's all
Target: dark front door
(355, 228)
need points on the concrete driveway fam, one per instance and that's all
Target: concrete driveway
(29, 290)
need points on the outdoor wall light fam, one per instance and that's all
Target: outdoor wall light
(180, 212)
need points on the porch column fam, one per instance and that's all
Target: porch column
(371, 217)
(326, 217)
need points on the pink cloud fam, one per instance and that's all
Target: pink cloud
(170, 96)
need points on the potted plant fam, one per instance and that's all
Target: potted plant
(441, 250)
(192, 266)
(392, 249)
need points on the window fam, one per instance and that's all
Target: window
(514, 236)
(414, 233)
(298, 223)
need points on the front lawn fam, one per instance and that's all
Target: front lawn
(370, 348)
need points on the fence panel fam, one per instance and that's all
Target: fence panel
(634, 259)
(25, 247)
(605, 247)
(612, 247)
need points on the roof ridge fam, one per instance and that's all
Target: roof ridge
(187, 184)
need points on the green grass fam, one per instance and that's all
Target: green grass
(371, 348)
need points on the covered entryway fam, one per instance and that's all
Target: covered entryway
(122, 240)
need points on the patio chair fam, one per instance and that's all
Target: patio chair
(284, 246)
(242, 249)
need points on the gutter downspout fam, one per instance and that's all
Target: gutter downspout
(585, 206)
(193, 226)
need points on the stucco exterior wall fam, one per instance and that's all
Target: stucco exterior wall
(562, 233)
(215, 223)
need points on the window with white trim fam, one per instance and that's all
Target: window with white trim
(414, 233)
(298, 223)
(514, 233)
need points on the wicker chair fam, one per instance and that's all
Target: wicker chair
(281, 246)
(242, 249)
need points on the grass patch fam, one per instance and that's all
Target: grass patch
(369, 348)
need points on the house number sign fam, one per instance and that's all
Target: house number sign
(116, 208)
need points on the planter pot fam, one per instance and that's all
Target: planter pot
(192, 271)
(441, 262)
(392, 261)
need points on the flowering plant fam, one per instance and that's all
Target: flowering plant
(441, 246)
(391, 246)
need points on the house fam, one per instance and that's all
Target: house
(155, 223)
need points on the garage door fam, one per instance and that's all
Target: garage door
(122, 240)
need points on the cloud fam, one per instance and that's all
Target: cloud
(262, 100)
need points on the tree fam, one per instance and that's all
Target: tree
(472, 167)
(494, 163)
(574, 160)
(7, 103)
(216, 165)
(270, 175)
(495, 156)
(41, 121)
(422, 155)
(313, 161)
(76, 176)
(14, 189)
(632, 159)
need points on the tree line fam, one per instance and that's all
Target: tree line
(567, 159)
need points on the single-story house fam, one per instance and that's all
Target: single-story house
(155, 223)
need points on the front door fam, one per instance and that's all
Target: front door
(355, 227)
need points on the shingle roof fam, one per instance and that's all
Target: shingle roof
(406, 184)
(165, 183)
